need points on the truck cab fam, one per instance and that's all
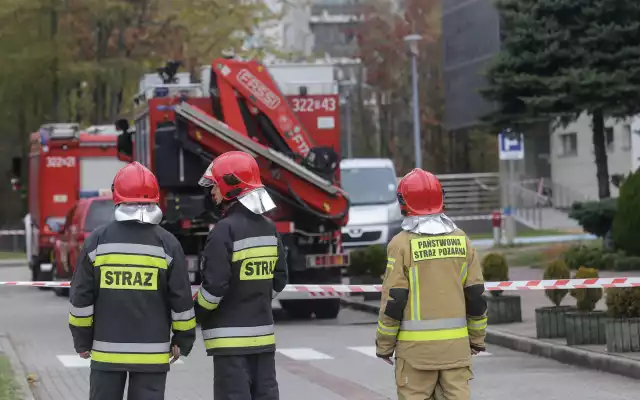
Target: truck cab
(374, 215)
(64, 161)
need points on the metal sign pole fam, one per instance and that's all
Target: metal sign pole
(510, 223)
(511, 147)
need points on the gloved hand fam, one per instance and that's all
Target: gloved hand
(475, 349)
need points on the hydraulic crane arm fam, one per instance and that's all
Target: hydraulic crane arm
(247, 99)
(318, 195)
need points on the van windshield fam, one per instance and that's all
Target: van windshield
(100, 213)
(369, 186)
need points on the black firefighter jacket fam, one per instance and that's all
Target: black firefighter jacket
(243, 268)
(129, 290)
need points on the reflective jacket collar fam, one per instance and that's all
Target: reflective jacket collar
(436, 224)
(143, 213)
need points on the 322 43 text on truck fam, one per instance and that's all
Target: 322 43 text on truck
(180, 127)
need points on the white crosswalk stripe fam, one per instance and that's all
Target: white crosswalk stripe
(304, 354)
(366, 350)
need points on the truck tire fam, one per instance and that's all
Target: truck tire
(326, 309)
(38, 275)
(298, 309)
(59, 291)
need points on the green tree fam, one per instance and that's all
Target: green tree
(562, 58)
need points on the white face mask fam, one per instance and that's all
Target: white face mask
(143, 213)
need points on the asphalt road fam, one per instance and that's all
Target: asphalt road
(317, 360)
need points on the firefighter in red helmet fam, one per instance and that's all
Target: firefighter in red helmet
(129, 290)
(432, 314)
(243, 268)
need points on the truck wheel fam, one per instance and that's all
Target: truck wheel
(59, 291)
(38, 275)
(297, 309)
(327, 309)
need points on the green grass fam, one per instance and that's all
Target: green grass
(8, 387)
(535, 255)
(9, 255)
(529, 233)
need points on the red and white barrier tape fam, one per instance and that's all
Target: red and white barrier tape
(338, 290)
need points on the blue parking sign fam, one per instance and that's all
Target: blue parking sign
(511, 145)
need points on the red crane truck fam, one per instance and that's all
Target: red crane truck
(179, 130)
(65, 164)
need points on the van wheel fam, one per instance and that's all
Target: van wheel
(327, 309)
(297, 309)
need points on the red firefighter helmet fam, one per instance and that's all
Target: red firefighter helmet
(235, 172)
(134, 183)
(420, 193)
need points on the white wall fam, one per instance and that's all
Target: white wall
(578, 171)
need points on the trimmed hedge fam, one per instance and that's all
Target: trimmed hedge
(595, 217)
(370, 261)
(627, 217)
(495, 269)
(623, 302)
(556, 270)
(586, 299)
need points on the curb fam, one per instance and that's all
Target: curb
(16, 365)
(567, 355)
(618, 365)
(13, 262)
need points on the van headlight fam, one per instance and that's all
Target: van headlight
(394, 213)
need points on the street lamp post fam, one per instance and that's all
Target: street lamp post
(412, 41)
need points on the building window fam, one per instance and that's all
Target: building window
(608, 134)
(626, 137)
(568, 144)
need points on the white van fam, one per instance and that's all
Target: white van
(374, 215)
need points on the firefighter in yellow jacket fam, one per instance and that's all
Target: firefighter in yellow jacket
(432, 315)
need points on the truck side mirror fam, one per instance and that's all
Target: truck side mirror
(16, 167)
(124, 146)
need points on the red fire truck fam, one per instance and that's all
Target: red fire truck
(65, 164)
(179, 130)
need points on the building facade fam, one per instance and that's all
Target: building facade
(573, 160)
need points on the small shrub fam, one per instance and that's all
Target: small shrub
(595, 217)
(377, 259)
(358, 264)
(579, 255)
(556, 270)
(586, 299)
(623, 302)
(627, 217)
(627, 263)
(495, 269)
(370, 261)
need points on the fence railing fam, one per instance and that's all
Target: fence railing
(471, 194)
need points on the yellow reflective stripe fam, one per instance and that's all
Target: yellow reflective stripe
(184, 325)
(463, 273)
(390, 262)
(425, 336)
(388, 330)
(263, 251)
(130, 358)
(81, 322)
(414, 289)
(218, 343)
(204, 303)
(130, 259)
(477, 324)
